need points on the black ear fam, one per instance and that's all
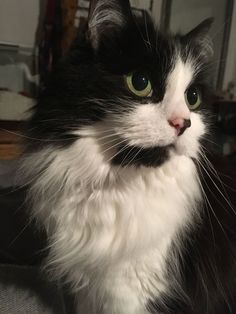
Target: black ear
(201, 31)
(105, 17)
(198, 38)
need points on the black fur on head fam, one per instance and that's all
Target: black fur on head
(87, 87)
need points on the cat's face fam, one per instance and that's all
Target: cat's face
(139, 93)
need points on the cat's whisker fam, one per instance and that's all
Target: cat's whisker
(20, 233)
(133, 158)
(212, 210)
(212, 168)
(215, 173)
(210, 141)
(126, 156)
(36, 139)
(113, 146)
(218, 189)
(206, 200)
(209, 204)
(117, 153)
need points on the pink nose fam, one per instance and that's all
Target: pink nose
(180, 125)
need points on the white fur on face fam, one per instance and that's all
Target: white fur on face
(188, 143)
(147, 125)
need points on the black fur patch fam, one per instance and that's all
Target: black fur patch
(149, 157)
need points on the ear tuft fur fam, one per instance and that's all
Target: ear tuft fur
(201, 31)
(105, 15)
(199, 36)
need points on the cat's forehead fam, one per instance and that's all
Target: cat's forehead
(181, 75)
(152, 49)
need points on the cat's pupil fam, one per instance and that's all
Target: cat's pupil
(139, 81)
(192, 96)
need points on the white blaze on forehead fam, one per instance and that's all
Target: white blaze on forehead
(177, 83)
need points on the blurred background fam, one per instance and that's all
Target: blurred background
(34, 35)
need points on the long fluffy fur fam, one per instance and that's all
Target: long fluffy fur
(117, 191)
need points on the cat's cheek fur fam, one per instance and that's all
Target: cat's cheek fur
(146, 126)
(188, 144)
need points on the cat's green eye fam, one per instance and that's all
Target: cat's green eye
(139, 84)
(193, 97)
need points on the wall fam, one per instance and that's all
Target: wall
(230, 70)
(18, 21)
(156, 11)
(18, 26)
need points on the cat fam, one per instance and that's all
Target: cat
(113, 164)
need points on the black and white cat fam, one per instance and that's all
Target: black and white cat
(113, 170)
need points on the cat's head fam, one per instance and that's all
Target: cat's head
(138, 93)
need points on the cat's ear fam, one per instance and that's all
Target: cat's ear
(106, 17)
(201, 31)
(199, 36)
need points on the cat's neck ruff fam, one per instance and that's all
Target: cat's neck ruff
(111, 220)
(150, 203)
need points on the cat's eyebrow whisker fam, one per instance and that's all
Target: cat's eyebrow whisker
(146, 28)
(141, 34)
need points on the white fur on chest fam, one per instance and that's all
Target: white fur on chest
(117, 231)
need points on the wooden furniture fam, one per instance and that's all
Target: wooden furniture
(10, 140)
